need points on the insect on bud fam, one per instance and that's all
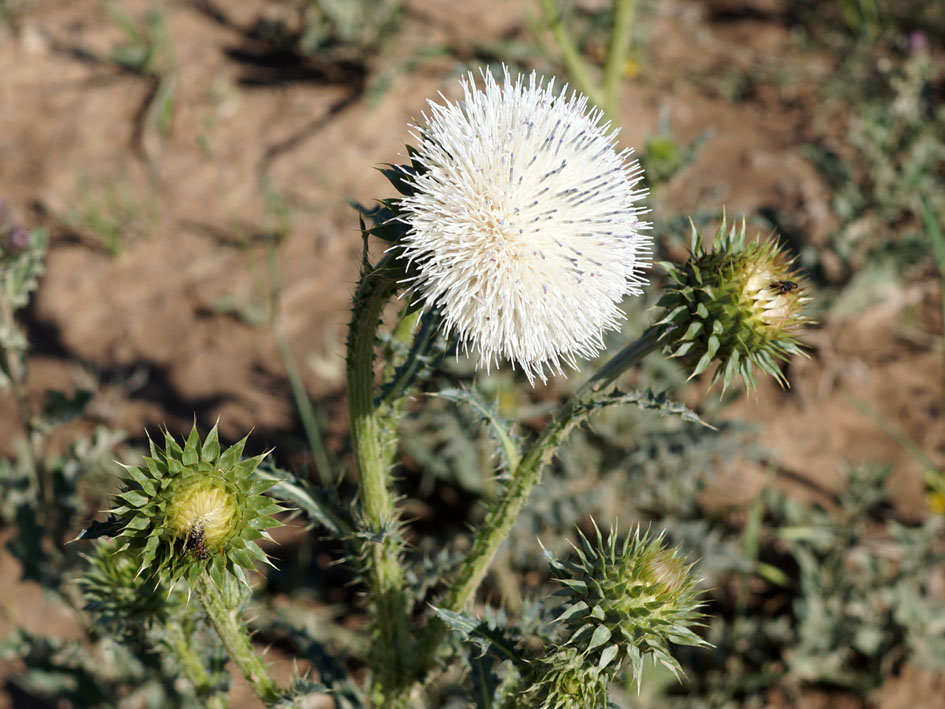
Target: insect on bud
(194, 508)
(202, 513)
(740, 304)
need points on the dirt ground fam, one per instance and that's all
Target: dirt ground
(145, 327)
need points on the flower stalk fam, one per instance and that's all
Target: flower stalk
(372, 454)
(505, 510)
(192, 667)
(236, 640)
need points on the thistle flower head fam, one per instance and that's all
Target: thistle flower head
(740, 304)
(523, 223)
(625, 600)
(194, 508)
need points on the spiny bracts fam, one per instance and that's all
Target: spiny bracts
(740, 304)
(624, 600)
(195, 508)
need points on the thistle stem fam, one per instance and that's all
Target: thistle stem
(505, 510)
(194, 669)
(236, 641)
(392, 653)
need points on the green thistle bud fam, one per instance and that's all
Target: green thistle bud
(740, 304)
(125, 604)
(626, 601)
(195, 508)
(567, 682)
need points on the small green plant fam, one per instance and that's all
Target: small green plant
(604, 92)
(345, 33)
(740, 304)
(111, 213)
(147, 51)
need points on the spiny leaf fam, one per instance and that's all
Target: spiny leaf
(501, 429)
(478, 632)
(644, 400)
(303, 495)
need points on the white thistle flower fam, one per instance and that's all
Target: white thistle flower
(523, 224)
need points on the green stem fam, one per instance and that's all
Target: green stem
(302, 402)
(236, 641)
(505, 510)
(617, 55)
(392, 652)
(306, 412)
(192, 666)
(571, 56)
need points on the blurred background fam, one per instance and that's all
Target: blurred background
(194, 163)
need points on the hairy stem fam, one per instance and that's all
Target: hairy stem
(236, 641)
(192, 667)
(392, 652)
(505, 510)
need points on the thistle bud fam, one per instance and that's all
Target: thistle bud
(625, 601)
(740, 304)
(124, 604)
(194, 508)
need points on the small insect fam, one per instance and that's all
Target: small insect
(783, 287)
(194, 542)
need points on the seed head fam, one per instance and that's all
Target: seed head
(740, 304)
(523, 223)
(194, 508)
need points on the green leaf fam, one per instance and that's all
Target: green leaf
(172, 448)
(693, 330)
(607, 656)
(573, 610)
(242, 557)
(232, 454)
(318, 504)
(501, 429)
(191, 448)
(60, 408)
(478, 632)
(134, 498)
(600, 636)
(702, 365)
(646, 400)
(398, 178)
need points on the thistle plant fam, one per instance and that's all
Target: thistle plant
(506, 228)
(519, 231)
(148, 617)
(516, 235)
